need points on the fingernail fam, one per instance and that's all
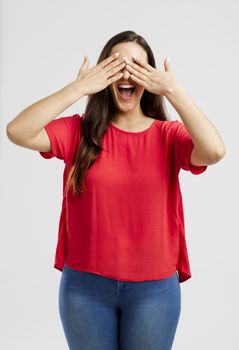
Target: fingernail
(126, 60)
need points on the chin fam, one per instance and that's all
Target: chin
(125, 107)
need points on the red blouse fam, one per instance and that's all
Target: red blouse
(129, 225)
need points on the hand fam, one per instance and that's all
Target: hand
(92, 80)
(154, 80)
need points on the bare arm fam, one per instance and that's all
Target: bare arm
(27, 128)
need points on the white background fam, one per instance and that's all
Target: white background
(42, 48)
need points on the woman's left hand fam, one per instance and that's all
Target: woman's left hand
(154, 80)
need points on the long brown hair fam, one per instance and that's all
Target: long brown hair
(100, 110)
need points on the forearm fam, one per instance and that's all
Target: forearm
(206, 138)
(32, 120)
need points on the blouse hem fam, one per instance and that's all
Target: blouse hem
(167, 274)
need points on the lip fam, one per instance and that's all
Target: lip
(128, 83)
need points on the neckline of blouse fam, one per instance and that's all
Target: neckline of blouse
(133, 132)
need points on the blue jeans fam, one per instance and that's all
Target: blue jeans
(100, 313)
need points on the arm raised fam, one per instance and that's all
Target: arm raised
(27, 128)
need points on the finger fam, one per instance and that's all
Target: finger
(137, 73)
(85, 63)
(108, 60)
(114, 64)
(144, 64)
(136, 67)
(138, 80)
(167, 65)
(115, 78)
(112, 71)
(84, 66)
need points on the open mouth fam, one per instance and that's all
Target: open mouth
(126, 92)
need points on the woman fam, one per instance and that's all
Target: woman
(121, 241)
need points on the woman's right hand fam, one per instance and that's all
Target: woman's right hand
(97, 78)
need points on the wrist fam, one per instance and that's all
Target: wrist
(76, 89)
(172, 89)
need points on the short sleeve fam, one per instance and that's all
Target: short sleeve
(63, 134)
(182, 148)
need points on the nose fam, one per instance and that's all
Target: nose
(126, 74)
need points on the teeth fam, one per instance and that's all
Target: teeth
(126, 86)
